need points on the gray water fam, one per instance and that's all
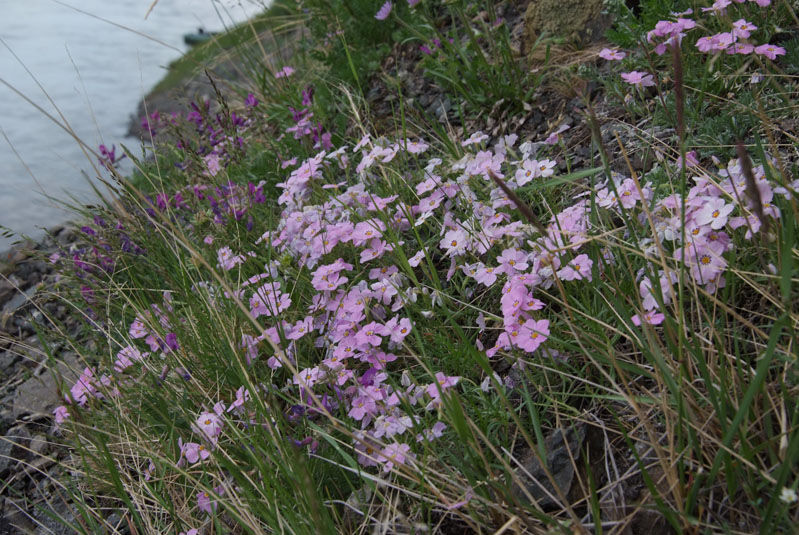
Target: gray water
(95, 73)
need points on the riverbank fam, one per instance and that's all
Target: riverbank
(382, 289)
(33, 460)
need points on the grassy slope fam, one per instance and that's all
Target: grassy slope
(713, 387)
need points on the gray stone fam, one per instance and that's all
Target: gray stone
(6, 460)
(15, 519)
(56, 518)
(19, 299)
(38, 395)
(8, 359)
(39, 445)
(562, 448)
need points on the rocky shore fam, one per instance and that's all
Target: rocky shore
(32, 461)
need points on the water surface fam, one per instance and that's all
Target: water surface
(95, 73)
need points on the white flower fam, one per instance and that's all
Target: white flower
(788, 495)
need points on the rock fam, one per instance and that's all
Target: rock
(7, 290)
(562, 449)
(6, 460)
(55, 518)
(39, 445)
(14, 518)
(66, 236)
(577, 21)
(19, 438)
(19, 299)
(8, 359)
(38, 395)
(440, 107)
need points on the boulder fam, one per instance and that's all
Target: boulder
(562, 449)
(38, 395)
(578, 22)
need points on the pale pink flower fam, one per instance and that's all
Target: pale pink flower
(770, 51)
(743, 29)
(455, 242)
(443, 382)
(209, 424)
(394, 454)
(612, 54)
(61, 413)
(384, 11)
(193, 451)
(533, 334)
(651, 317)
(212, 164)
(285, 72)
(714, 213)
(577, 269)
(637, 78)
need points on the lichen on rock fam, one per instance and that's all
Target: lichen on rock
(577, 22)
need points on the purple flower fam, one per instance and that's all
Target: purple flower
(307, 97)
(385, 11)
(251, 101)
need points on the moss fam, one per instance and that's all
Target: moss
(575, 21)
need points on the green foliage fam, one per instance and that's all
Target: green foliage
(699, 410)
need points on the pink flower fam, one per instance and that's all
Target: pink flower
(511, 260)
(309, 377)
(613, 54)
(443, 382)
(486, 275)
(577, 269)
(533, 334)
(370, 335)
(651, 317)
(209, 424)
(212, 163)
(743, 29)
(433, 433)
(205, 503)
(61, 413)
(361, 406)
(127, 356)
(740, 48)
(714, 213)
(394, 454)
(455, 242)
(193, 451)
(477, 137)
(397, 329)
(384, 11)
(137, 328)
(640, 79)
(227, 260)
(770, 51)
(691, 159)
(284, 72)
